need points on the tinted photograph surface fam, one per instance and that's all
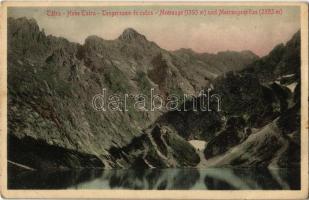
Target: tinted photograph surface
(176, 97)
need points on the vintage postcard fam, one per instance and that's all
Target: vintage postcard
(158, 100)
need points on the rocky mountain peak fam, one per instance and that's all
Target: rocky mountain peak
(296, 36)
(129, 34)
(63, 74)
(93, 40)
(23, 25)
(249, 54)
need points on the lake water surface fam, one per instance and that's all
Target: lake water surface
(160, 179)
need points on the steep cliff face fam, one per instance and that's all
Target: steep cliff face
(259, 121)
(282, 60)
(51, 83)
(266, 96)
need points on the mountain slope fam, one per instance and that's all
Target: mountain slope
(282, 60)
(259, 121)
(202, 68)
(51, 82)
(271, 134)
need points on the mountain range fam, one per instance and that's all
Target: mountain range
(51, 123)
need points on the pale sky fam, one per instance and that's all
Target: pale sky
(200, 33)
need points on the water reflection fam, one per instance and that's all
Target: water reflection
(152, 179)
(159, 179)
